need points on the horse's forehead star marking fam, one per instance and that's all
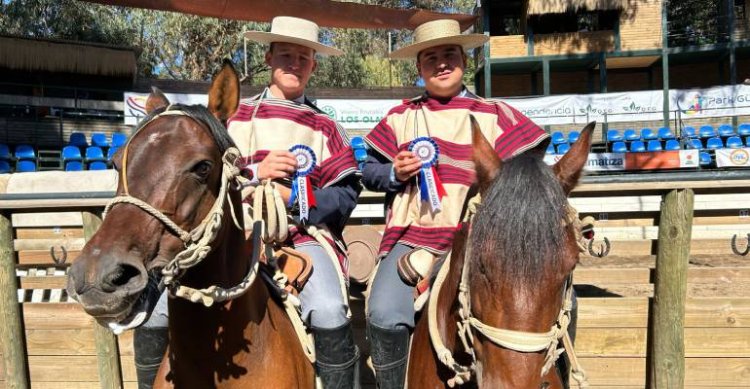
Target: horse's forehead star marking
(153, 137)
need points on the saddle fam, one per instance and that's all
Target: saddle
(296, 265)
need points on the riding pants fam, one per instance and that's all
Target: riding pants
(322, 302)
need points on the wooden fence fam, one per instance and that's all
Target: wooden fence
(662, 338)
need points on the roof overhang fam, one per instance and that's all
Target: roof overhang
(539, 7)
(326, 13)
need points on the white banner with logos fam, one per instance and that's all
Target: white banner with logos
(601, 162)
(560, 109)
(733, 157)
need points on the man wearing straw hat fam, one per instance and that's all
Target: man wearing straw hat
(421, 221)
(274, 131)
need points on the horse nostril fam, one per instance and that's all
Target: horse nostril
(120, 276)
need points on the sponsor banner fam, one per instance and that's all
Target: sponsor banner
(711, 102)
(135, 104)
(607, 162)
(356, 114)
(733, 157)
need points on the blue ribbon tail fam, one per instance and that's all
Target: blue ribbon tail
(423, 192)
(293, 195)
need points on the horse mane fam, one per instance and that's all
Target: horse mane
(200, 113)
(518, 229)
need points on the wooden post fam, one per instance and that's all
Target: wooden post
(12, 339)
(108, 354)
(667, 359)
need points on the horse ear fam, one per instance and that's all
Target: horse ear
(224, 96)
(156, 100)
(486, 162)
(568, 169)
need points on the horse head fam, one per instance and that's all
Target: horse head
(170, 177)
(522, 248)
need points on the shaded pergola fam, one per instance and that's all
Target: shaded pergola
(326, 13)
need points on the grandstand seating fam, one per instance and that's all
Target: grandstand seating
(94, 153)
(654, 145)
(665, 133)
(672, 144)
(25, 165)
(696, 143)
(5, 153)
(726, 130)
(98, 165)
(73, 166)
(111, 152)
(743, 129)
(714, 143)
(558, 138)
(99, 139)
(734, 142)
(705, 159)
(637, 146)
(707, 131)
(648, 134)
(78, 139)
(563, 148)
(619, 147)
(550, 149)
(689, 132)
(614, 136)
(118, 139)
(25, 152)
(630, 135)
(573, 136)
(5, 166)
(360, 150)
(71, 153)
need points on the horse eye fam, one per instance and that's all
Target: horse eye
(202, 168)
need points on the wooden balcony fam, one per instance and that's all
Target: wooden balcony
(553, 44)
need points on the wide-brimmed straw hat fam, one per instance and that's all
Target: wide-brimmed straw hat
(287, 29)
(437, 33)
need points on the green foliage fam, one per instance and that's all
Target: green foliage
(180, 46)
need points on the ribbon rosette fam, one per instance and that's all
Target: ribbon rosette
(430, 187)
(302, 189)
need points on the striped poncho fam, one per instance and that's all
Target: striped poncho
(411, 221)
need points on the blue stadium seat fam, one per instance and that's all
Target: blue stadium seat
(726, 130)
(648, 134)
(99, 139)
(558, 138)
(672, 144)
(734, 142)
(73, 166)
(98, 165)
(614, 136)
(360, 150)
(563, 148)
(714, 143)
(5, 153)
(707, 132)
(71, 153)
(573, 136)
(550, 149)
(744, 129)
(94, 153)
(689, 132)
(619, 147)
(630, 135)
(118, 139)
(78, 139)
(665, 133)
(637, 146)
(695, 143)
(25, 165)
(111, 152)
(654, 145)
(747, 141)
(705, 158)
(4, 167)
(25, 152)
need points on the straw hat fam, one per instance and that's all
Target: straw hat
(437, 33)
(293, 30)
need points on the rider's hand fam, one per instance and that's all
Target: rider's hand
(406, 165)
(277, 164)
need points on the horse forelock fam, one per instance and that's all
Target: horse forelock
(200, 114)
(518, 234)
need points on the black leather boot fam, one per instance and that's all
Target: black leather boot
(337, 357)
(149, 346)
(390, 352)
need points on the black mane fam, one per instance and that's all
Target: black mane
(201, 114)
(519, 226)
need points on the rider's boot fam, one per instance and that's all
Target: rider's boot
(389, 350)
(149, 346)
(337, 357)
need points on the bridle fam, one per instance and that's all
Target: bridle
(198, 241)
(521, 341)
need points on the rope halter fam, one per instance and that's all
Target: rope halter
(198, 241)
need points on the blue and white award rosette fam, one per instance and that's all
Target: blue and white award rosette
(430, 187)
(302, 189)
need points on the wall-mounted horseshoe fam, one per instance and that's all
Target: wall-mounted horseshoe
(55, 258)
(603, 248)
(734, 246)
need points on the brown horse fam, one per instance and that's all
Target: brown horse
(521, 249)
(175, 165)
